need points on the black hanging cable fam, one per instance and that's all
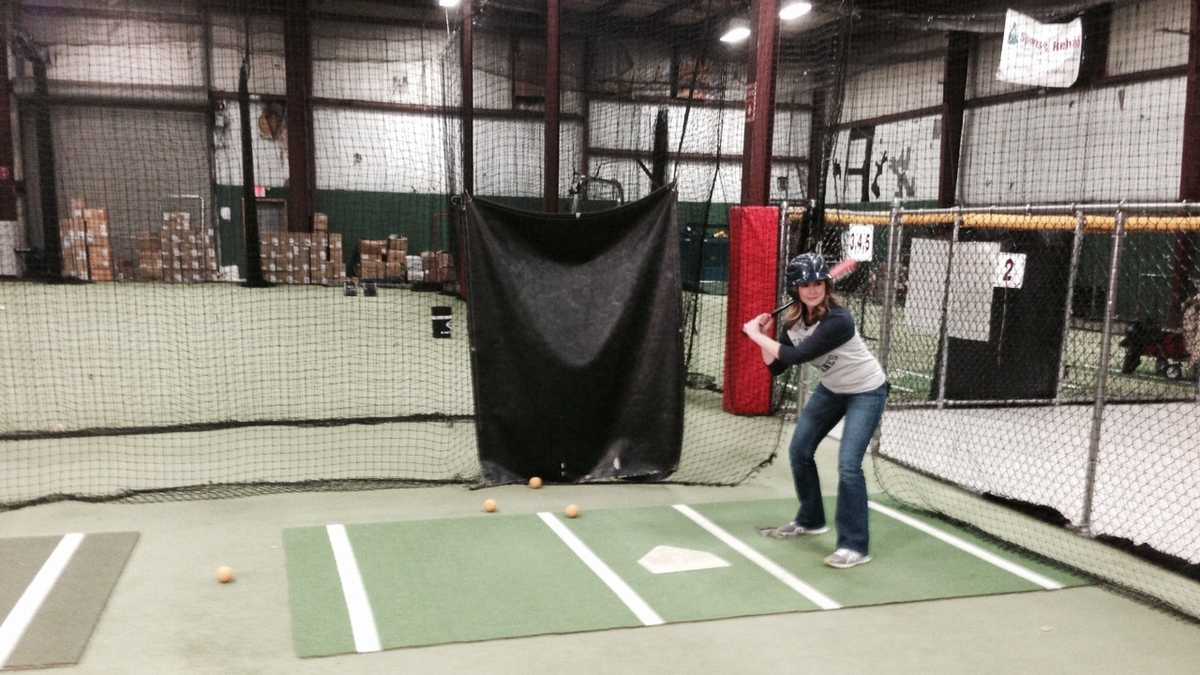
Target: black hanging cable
(712, 186)
(254, 276)
(687, 110)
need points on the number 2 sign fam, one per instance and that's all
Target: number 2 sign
(1010, 270)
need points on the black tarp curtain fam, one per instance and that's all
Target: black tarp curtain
(576, 348)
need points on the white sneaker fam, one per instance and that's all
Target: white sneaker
(844, 558)
(792, 529)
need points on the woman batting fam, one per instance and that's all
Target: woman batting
(853, 386)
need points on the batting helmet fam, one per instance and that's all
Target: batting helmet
(806, 268)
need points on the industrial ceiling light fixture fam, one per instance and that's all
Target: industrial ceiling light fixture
(448, 4)
(738, 31)
(794, 10)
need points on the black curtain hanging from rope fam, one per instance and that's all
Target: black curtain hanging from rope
(577, 354)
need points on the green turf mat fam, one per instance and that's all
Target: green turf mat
(908, 565)
(500, 576)
(440, 581)
(622, 536)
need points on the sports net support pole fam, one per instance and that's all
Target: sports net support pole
(1076, 248)
(944, 328)
(1118, 235)
(777, 390)
(895, 239)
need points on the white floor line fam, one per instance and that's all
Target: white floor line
(1006, 565)
(362, 618)
(816, 597)
(35, 594)
(632, 600)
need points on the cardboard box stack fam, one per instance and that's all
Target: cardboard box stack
(303, 258)
(86, 248)
(337, 258)
(298, 252)
(74, 247)
(389, 259)
(443, 270)
(371, 256)
(99, 247)
(269, 251)
(148, 247)
(383, 258)
(188, 252)
(397, 257)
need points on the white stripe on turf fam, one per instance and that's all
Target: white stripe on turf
(770, 567)
(1008, 566)
(35, 594)
(632, 600)
(362, 619)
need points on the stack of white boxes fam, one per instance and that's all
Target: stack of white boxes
(188, 251)
(303, 257)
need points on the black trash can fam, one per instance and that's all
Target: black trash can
(442, 316)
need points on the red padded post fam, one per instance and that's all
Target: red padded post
(753, 256)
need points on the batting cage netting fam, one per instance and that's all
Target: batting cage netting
(321, 338)
(234, 243)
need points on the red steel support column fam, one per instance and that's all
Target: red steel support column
(297, 50)
(760, 103)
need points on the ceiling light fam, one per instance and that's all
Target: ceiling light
(448, 4)
(738, 31)
(794, 10)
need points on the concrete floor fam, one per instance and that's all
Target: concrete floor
(168, 615)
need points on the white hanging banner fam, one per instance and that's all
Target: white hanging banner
(1040, 54)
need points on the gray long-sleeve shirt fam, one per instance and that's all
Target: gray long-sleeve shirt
(836, 349)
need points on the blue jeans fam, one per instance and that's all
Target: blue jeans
(863, 413)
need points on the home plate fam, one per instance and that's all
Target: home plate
(667, 559)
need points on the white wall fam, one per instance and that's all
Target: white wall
(888, 88)
(120, 52)
(388, 64)
(1122, 142)
(270, 156)
(626, 65)
(630, 126)
(695, 179)
(1148, 35)
(267, 71)
(381, 151)
(904, 163)
(1110, 144)
(509, 156)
